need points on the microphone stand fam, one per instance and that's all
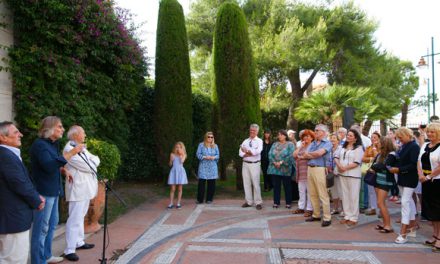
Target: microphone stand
(103, 259)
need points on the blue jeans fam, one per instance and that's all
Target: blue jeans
(44, 225)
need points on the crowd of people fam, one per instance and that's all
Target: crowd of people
(401, 167)
(29, 202)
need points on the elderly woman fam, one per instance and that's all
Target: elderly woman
(335, 190)
(406, 169)
(280, 168)
(369, 155)
(47, 164)
(348, 162)
(429, 174)
(304, 203)
(80, 189)
(208, 155)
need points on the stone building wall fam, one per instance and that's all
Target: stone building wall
(6, 39)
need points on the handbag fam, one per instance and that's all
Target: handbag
(329, 179)
(329, 176)
(370, 177)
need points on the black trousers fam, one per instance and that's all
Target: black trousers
(287, 183)
(266, 177)
(201, 190)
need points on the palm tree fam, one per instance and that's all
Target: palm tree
(327, 105)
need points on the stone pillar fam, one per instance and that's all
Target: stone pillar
(6, 39)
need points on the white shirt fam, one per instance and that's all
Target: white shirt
(255, 145)
(351, 156)
(366, 141)
(85, 183)
(434, 158)
(14, 150)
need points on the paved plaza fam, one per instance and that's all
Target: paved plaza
(224, 232)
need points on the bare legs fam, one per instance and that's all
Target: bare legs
(179, 193)
(381, 197)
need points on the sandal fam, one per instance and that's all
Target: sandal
(308, 214)
(430, 243)
(379, 227)
(298, 211)
(386, 231)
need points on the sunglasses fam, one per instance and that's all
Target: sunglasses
(210, 137)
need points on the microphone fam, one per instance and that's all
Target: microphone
(73, 144)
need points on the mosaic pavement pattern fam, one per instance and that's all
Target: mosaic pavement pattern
(227, 233)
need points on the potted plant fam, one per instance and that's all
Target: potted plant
(108, 170)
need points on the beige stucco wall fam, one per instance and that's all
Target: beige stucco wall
(6, 39)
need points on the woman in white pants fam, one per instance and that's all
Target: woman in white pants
(348, 162)
(406, 169)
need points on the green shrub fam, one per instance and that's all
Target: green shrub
(235, 93)
(140, 161)
(108, 154)
(77, 60)
(173, 102)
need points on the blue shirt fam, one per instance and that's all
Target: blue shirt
(207, 168)
(46, 161)
(281, 152)
(323, 160)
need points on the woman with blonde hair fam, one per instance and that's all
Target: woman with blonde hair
(177, 177)
(208, 155)
(428, 168)
(406, 169)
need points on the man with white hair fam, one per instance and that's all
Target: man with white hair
(250, 151)
(342, 133)
(80, 189)
(18, 198)
(317, 154)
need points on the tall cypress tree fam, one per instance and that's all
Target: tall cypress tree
(235, 93)
(173, 99)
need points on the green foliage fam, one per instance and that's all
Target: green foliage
(108, 154)
(77, 60)
(274, 119)
(235, 93)
(327, 105)
(173, 102)
(202, 117)
(140, 161)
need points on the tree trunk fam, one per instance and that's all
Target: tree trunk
(239, 175)
(383, 127)
(223, 166)
(297, 95)
(404, 117)
(367, 127)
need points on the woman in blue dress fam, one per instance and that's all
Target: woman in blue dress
(208, 155)
(177, 175)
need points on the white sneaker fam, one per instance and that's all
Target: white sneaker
(401, 240)
(54, 259)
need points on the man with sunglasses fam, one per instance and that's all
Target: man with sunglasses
(250, 151)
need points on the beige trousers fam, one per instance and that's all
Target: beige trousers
(350, 188)
(318, 192)
(251, 182)
(14, 248)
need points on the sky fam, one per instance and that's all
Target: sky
(405, 29)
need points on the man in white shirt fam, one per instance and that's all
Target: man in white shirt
(250, 151)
